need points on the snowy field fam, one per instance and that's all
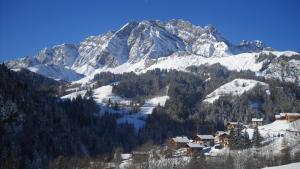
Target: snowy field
(103, 94)
(236, 88)
(271, 132)
(288, 166)
(138, 119)
(75, 94)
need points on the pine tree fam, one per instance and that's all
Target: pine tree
(286, 152)
(108, 103)
(116, 106)
(256, 138)
(247, 141)
(232, 138)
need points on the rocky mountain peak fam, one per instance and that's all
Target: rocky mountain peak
(136, 41)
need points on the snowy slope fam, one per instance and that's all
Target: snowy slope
(288, 166)
(102, 94)
(75, 94)
(181, 60)
(138, 119)
(236, 88)
(55, 72)
(272, 129)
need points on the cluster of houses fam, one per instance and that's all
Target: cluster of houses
(220, 138)
(196, 145)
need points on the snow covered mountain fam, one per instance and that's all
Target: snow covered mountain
(145, 45)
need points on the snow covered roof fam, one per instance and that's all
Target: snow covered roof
(126, 156)
(257, 120)
(222, 133)
(288, 114)
(292, 114)
(233, 123)
(195, 145)
(182, 139)
(282, 114)
(206, 137)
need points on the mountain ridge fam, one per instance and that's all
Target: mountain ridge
(147, 41)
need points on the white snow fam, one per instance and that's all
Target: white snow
(55, 72)
(288, 166)
(236, 87)
(73, 95)
(285, 53)
(138, 119)
(102, 94)
(126, 156)
(181, 60)
(277, 127)
(273, 129)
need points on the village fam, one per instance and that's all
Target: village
(203, 144)
(210, 144)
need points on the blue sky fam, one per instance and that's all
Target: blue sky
(27, 26)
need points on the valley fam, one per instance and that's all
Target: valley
(151, 94)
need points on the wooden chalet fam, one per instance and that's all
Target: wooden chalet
(222, 138)
(194, 148)
(139, 156)
(178, 142)
(204, 139)
(289, 117)
(232, 125)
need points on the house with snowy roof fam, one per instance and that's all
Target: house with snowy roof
(232, 125)
(178, 142)
(207, 140)
(194, 148)
(290, 117)
(257, 122)
(222, 137)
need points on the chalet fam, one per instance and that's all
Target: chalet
(257, 122)
(178, 142)
(207, 140)
(290, 117)
(139, 156)
(232, 125)
(222, 138)
(194, 148)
